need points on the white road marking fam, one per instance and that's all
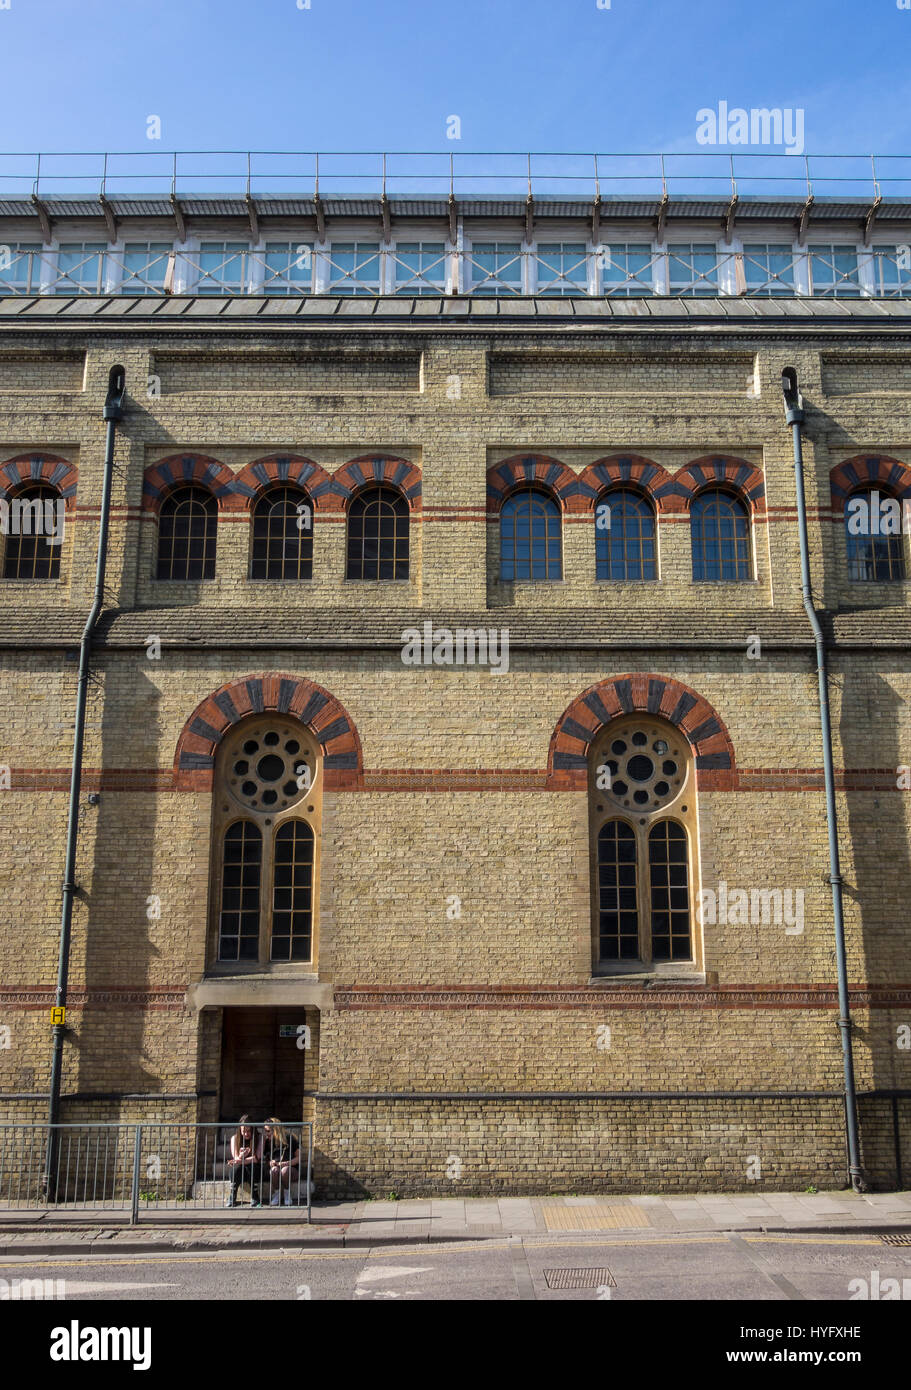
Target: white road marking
(78, 1287)
(391, 1272)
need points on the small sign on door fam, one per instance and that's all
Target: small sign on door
(290, 1030)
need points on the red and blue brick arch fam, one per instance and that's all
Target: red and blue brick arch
(329, 492)
(868, 470)
(640, 693)
(28, 470)
(269, 692)
(670, 492)
(234, 492)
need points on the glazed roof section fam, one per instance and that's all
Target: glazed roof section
(395, 309)
(615, 207)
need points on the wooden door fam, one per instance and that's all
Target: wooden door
(262, 1072)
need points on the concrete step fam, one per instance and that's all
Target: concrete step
(214, 1193)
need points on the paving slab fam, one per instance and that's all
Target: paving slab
(416, 1221)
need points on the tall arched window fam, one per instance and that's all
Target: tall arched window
(378, 535)
(641, 770)
(720, 536)
(618, 892)
(34, 534)
(624, 536)
(669, 886)
(292, 898)
(282, 535)
(187, 528)
(241, 875)
(267, 864)
(873, 534)
(530, 539)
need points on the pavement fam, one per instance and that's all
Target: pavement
(446, 1219)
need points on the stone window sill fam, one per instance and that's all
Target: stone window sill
(654, 975)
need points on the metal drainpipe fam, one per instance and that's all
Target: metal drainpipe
(794, 414)
(112, 413)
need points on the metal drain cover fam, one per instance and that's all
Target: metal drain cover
(580, 1278)
(896, 1238)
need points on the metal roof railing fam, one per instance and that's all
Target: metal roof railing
(455, 173)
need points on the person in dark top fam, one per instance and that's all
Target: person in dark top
(245, 1163)
(282, 1154)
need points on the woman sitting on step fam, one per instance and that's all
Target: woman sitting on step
(245, 1163)
(283, 1154)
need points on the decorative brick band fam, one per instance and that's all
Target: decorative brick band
(180, 471)
(591, 997)
(864, 470)
(27, 469)
(579, 725)
(42, 997)
(504, 478)
(281, 468)
(480, 779)
(271, 691)
(617, 996)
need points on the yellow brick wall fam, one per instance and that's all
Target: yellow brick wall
(518, 858)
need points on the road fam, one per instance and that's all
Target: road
(707, 1268)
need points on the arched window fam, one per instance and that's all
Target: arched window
(530, 540)
(34, 534)
(720, 537)
(641, 768)
(378, 535)
(268, 769)
(187, 529)
(873, 533)
(238, 934)
(670, 891)
(292, 897)
(618, 892)
(282, 535)
(624, 536)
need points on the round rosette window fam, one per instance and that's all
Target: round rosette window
(269, 767)
(643, 767)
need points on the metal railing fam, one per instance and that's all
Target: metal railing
(149, 1166)
(454, 173)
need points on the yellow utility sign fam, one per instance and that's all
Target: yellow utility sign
(58, 1016)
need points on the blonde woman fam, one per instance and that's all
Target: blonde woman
(282, 1152)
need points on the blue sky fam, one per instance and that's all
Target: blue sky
(373, 74)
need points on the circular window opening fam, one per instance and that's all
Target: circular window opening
(641, 759)
(270, 768)
(263, 767)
